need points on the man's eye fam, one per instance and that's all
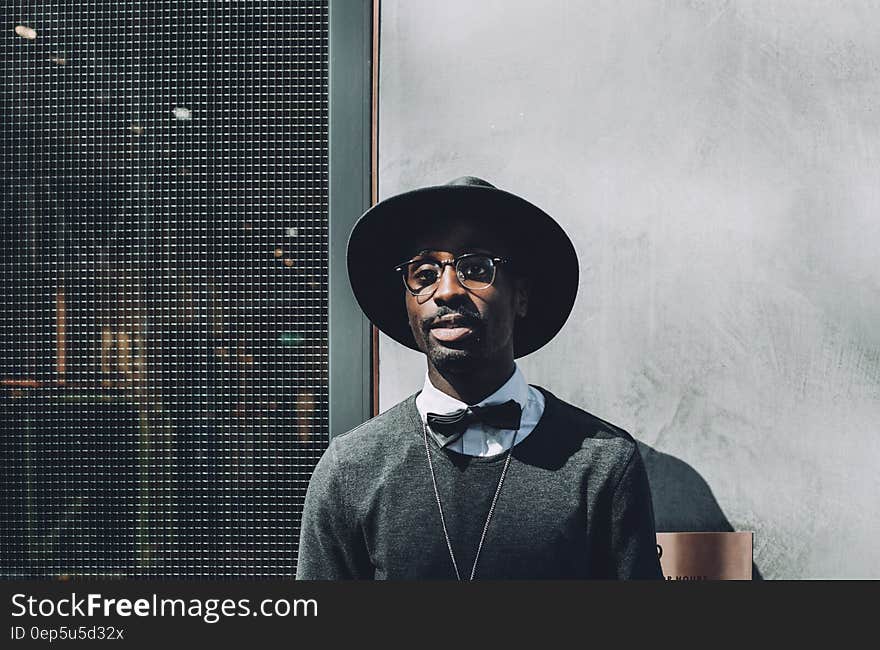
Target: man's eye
(425, 275)
(475, 271)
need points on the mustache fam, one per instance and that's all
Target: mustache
(470, 318)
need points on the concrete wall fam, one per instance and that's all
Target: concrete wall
(717, 165)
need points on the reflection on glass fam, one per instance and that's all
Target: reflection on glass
(26, 32)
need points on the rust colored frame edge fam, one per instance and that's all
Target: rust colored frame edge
(374, 192)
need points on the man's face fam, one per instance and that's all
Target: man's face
(459, 328)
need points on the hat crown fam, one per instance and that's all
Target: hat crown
(471, 181)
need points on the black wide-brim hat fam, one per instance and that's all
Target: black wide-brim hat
(384, 236)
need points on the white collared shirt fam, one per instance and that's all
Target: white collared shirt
(480, 439)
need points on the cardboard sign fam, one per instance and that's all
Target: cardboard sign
(705, 556)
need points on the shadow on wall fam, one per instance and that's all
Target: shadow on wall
(683, 501)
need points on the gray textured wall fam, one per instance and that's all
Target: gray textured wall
(717, 165)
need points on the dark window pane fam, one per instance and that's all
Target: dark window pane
(163, 342)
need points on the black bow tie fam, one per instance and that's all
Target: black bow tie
(451, 426)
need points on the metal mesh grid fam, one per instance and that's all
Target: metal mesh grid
(163, 342)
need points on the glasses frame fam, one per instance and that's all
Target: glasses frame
(496, 261)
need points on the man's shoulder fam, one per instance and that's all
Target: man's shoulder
(381, 432)
(592, 430)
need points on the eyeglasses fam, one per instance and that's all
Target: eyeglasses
(474, 271)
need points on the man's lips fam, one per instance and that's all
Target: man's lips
(448, 330)
(449, 334)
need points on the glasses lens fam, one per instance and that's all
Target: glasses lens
(475, 271)
(421, 276)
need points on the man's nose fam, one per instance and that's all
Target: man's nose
(448, 286)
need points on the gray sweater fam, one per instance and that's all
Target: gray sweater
(575, 504)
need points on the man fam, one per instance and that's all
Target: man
(478, 475)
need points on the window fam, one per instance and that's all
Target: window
(164, 334)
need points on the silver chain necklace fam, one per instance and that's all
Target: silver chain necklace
(440, 506)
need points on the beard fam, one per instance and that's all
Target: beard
(453, 357)
(454, 360)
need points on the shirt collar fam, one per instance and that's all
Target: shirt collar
(434, 400)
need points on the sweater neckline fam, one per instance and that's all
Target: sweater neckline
(453, 456)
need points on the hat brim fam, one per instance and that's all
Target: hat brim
(384, 235)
